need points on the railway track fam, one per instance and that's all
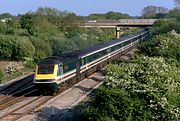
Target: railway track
(15, 92)
(16, 84)
(18, 100)
(22, 98)
(26, 108)
(20, 104)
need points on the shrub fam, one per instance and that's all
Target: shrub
(164, 26)
(152, 80)
(30, 64)
(23, 48)
(114, 104)
(42, 49)
(3, 28)
(6, 47)
(15, 48)
(166, 45)
(143, 89)
(58, 45)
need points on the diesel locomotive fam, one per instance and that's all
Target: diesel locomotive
(55, 70)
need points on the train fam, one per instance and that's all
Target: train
(55, 70)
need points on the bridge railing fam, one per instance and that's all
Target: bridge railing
(125, 21)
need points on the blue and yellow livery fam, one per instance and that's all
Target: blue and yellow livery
(53, 71)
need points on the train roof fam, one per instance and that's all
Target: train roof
(57, 60)
(86, 51)
(74, 56)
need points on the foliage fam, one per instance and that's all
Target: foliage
(26, 22)
(3, 28)
(69, 25)
(166, 45)
(49, 31)
(143, 89)
(175, 13)
(116, 15)
(5, 15)
(42, 49)
(164, 26)
(30, 64)
(6, 47)
(15, 50)
(113, 104)
(150, 11)
(53, 15)
(7, 28)
(109, 15)
(23, 49)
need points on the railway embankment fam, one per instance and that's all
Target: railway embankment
(144, 88)
(71, 103)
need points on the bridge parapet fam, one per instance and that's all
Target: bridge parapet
(120, 22)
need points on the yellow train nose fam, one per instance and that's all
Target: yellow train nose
(46, 76)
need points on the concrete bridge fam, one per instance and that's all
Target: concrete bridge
(119, 23)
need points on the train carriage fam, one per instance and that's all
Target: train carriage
(53, 71)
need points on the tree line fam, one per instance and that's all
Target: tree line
(32, 36)
(45, 32)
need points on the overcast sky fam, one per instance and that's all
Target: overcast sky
(83, 7)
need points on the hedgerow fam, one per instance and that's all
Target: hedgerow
(15, 48)
(165, 45)
(144, 89)
(42, 49)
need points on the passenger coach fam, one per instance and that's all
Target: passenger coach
(53, 71)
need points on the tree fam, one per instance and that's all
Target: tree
(116, 15)
(15, 48)
(150, 11)
(96, 16)
(175, 13)
(165, 45)
(52, 14)
(42, 24)
(5, 15)
(69, 25)
(26, 22)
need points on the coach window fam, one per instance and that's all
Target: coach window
(82, 61)
(59, 70)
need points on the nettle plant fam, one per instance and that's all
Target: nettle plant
(150, 79)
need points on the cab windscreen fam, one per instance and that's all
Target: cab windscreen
(45, 69)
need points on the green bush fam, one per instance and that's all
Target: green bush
(3, 28)
(23, 48)
(164, 26)
(117, 105)
(30, 64)
(166, 45)
(7, 28)
(6, 47)
(63, 45)
(42, 49)
(143, 89)
(15, 48)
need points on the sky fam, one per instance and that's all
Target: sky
(83, 7)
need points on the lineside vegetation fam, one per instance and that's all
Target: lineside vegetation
(146, 87)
